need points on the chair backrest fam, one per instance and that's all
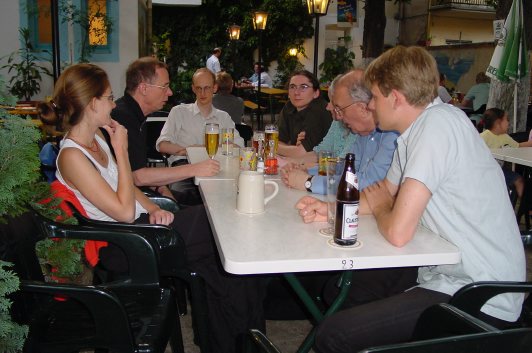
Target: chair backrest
(510, 341)
(153, 125)
(245, 131)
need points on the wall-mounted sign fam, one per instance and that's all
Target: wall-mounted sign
(347, 11)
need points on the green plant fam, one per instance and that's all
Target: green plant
(21, 187)
(287, 64)
(27, 77)
(12, 335)
(335, 62)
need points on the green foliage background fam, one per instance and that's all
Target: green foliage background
(194, 31)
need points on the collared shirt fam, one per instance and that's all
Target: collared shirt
(186, 127)
(213, 64)
(478, 94)
(128, 113)
(338, 140)
(373, 155)
(469, 204)
(315, 120)
(265, 80)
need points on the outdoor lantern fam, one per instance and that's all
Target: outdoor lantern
(292, 51)
(317, 7)
(234, 32)
(259, 20)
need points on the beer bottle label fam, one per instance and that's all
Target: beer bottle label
(351, 178)
(350, 221)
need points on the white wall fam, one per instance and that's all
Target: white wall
(128, 43)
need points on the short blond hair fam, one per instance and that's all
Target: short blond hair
(410, 70)
(203, 70)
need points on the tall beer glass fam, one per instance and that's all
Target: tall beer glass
(212, 138)
(271, 132)
(335, 167)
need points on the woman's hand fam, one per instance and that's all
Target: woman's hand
(312, 209)
(160, 216)
(118, 135)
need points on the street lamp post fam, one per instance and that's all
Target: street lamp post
(259, 24)
(317, 8)
(234, 35)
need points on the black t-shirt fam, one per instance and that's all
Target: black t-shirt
(129, 114)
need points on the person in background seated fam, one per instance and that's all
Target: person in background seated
(265, 79)
(442, 177)
(225, 100)
(496, 135)
(147, 90)
(478, 95)
(104, 186)
(306, 111)
(442, 91)
(185, 126)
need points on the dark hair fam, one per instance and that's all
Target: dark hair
(313, 80)
(224, 82)
(75, 89)
(142, 70)
(491, 116)
(47, 113)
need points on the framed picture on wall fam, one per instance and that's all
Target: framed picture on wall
(347, 12)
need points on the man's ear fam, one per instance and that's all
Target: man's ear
(316, 93)
(398, 98)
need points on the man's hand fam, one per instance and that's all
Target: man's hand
(312, 209)
(206, 168)
(378, 197)
(300, 137)
(160, 216)
(295, 179)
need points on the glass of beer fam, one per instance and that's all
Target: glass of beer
(335, 168)
(323, 157)
(258, 136)
(212, 137)
(271, 132)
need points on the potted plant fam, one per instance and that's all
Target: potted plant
(27, 74)
(21, 187)
(336, 62)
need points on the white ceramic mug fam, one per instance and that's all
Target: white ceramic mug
(250, 195)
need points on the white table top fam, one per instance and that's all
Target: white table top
(229, 166)
(277, 241)
(521, 155)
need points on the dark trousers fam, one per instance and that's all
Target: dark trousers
(234, 302)
(281, 302)
(380, 322)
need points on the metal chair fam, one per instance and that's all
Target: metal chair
(154, 124)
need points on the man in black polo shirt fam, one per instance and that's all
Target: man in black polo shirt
(147, 90)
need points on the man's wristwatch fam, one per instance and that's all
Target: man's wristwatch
(308, 183)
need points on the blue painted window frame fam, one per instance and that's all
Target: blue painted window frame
(107, 53)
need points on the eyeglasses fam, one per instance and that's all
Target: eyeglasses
(110, 97)
(205, 89)
(301, 88)
(339, 110)
(163, 87)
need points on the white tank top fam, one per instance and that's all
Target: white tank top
(109, 173)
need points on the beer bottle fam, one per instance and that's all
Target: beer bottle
(347, 200)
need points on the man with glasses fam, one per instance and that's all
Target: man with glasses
(373, 148)
(147, 91)
(305, 112)
(185, 126)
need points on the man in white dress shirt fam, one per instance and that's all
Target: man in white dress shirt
(186, 122)
(213, 62)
